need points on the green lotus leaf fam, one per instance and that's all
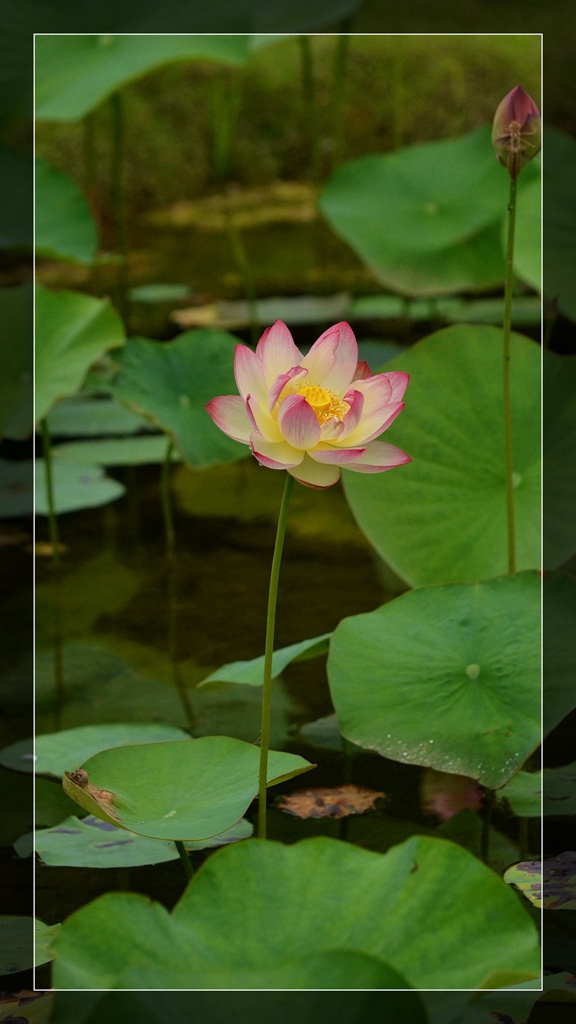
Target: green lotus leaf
(171, 383)
(75, 486)
(64, 228)
(115, 451)
(58, 752)
(426, 218)
(524, 794)
(72, 331)
(528, 241)
(81, 415)
(187, 790)
(93, 843)
(447, 677)
(17, 946)
(442, 518)
(75, 73)
(256, 906)
(252, 672)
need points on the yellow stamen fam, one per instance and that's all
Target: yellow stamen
(324, 402)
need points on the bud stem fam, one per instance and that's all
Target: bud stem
(506, 377)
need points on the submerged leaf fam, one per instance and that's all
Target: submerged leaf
(446, 795)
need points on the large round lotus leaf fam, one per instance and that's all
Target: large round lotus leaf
(559, 476)
(430, 909)
(72, 331)
(426, 218)
(442, 518)
(64, 228)
(59, 752)
(75, 73)
(93, 843)
(528, 241)
(185, 790)
(171, 382)
(473, 264)
(445, 676)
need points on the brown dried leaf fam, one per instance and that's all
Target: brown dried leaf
(338, 802)
(98, 801)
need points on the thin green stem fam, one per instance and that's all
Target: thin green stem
(166, 502)
(268, 652)
(186, 862)
(506, 379)
(52, 518)
(177, 676)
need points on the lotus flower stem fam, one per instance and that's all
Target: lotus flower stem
(268, 652)
(506, 377)
(184, 857)
(486, 826)
(52, 517)
(166, 502)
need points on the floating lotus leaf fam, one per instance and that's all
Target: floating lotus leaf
(58, 752)
(442, 519)
(75, 73)
(171, 382)
(116, 451)
(81, 415)
(93, 843)
(64, 228)
(72, 330)
(187, 790)
(447, 677)
(19, 936)
(326, 896)
(524, 794)
(76, 486)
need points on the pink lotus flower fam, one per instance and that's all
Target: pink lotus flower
(516, 131)
(312, 414)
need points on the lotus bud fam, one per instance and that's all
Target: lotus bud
(516, 132)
